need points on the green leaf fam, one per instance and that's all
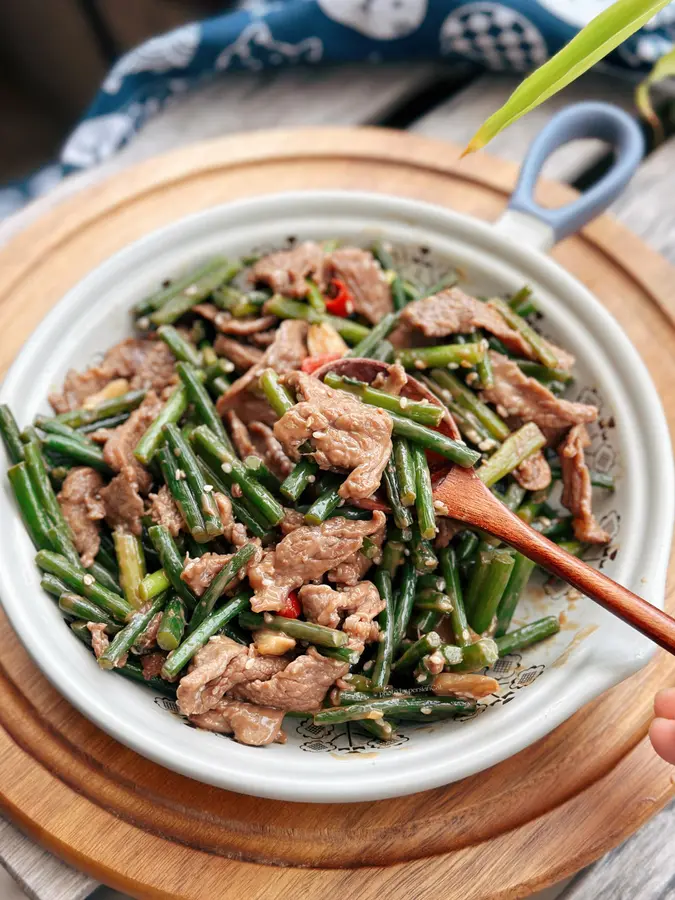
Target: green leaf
(602, 35)
(664, 68)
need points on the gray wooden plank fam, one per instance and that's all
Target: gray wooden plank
(40, 875)
(641, 868)
(646, 205)
(348, 95)
(459, 118)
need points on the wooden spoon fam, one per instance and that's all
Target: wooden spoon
(468, 500)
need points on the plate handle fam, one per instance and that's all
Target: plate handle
(524, 220)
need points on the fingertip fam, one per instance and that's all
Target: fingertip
(662, 736)
(664, 704)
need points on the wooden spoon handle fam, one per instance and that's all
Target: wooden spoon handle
(650, 621)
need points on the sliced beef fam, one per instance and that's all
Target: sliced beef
(77, 386)
(516, 395)
(234, 532)
(263, 338)
(534, 474)
(99, 638)
(200, 572)
(152, 664)
(217, 667)
(291, 521)
(270, 449)
(226, 323)
(100, 643)
(101, 435)
(245, 327)
(83, 508)
(369, 370)
(242, 355)
(284, 355)
(149, 637)
(163, 511)
(353, 569)
(454, 312)
(123, 505)
(256, 726)
(289, 348)
(446, 531)
(301, 686)
(577, 489)
(147, 364)
(304, 555)
(287, 271)
(199, 690)
(394, 381)
(364, 278)
(345, 434)
(323, 605)
(118, 451)
(240, 436)
(155, 368)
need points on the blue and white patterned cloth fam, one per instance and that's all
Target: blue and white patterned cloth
(502, 35)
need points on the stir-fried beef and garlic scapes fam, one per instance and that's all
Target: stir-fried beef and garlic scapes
(237, 507)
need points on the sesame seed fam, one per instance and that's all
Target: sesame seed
(89, 580)
(472, 377)
(426, 710)
(208, 488)
(143, 323)
(318, 434)
(403, 402)
(311, 479)
(226, 467)
(268, 617)
(228, 366)
(453, 366)
(191, 290)
(420, 678)
(368, 665)
(430, 563)
(180, 475)
(420, 364)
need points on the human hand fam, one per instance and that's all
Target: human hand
(662, 730)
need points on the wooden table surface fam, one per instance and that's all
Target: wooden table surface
(442, 103)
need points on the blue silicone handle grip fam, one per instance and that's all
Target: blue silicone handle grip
(583, 120)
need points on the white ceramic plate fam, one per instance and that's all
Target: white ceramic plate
(541, 687)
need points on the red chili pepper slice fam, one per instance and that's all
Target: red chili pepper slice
(291, 609)
(312, 363)
(342, 303)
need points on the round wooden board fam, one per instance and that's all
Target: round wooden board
(507, 832)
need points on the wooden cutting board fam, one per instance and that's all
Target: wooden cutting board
(504, 833)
